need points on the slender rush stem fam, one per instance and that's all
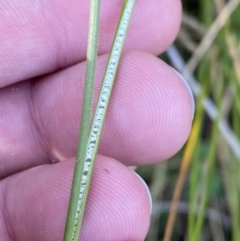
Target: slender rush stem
(96, 129)
(72, 217)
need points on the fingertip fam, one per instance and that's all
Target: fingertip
(117, 206)
(126, 213)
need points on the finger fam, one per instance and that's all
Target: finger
(148, 120)
(39, 37)
(118, 206)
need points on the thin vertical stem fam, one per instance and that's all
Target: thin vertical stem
(72, 217)
(206, 189)
(191, 144)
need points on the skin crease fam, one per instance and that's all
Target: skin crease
(43, 51)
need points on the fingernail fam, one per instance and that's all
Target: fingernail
(188, 89)
(147, 190)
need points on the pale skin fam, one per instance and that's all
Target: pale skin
(42, 55)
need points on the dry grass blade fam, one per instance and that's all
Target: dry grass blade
(210, 37)
(181, 178)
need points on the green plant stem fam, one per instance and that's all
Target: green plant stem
(206, 189)
(194, 178)
(85, 172)
(195, 171)
(71, 230)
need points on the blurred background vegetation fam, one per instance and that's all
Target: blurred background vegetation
(196, 194)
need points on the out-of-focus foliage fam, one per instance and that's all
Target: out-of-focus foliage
(209, 208)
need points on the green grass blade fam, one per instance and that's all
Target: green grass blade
(206, 189)
(195, 171)
(70, 228)
(195, 174)
(98, 121)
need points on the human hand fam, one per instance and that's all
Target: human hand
(42, 54)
